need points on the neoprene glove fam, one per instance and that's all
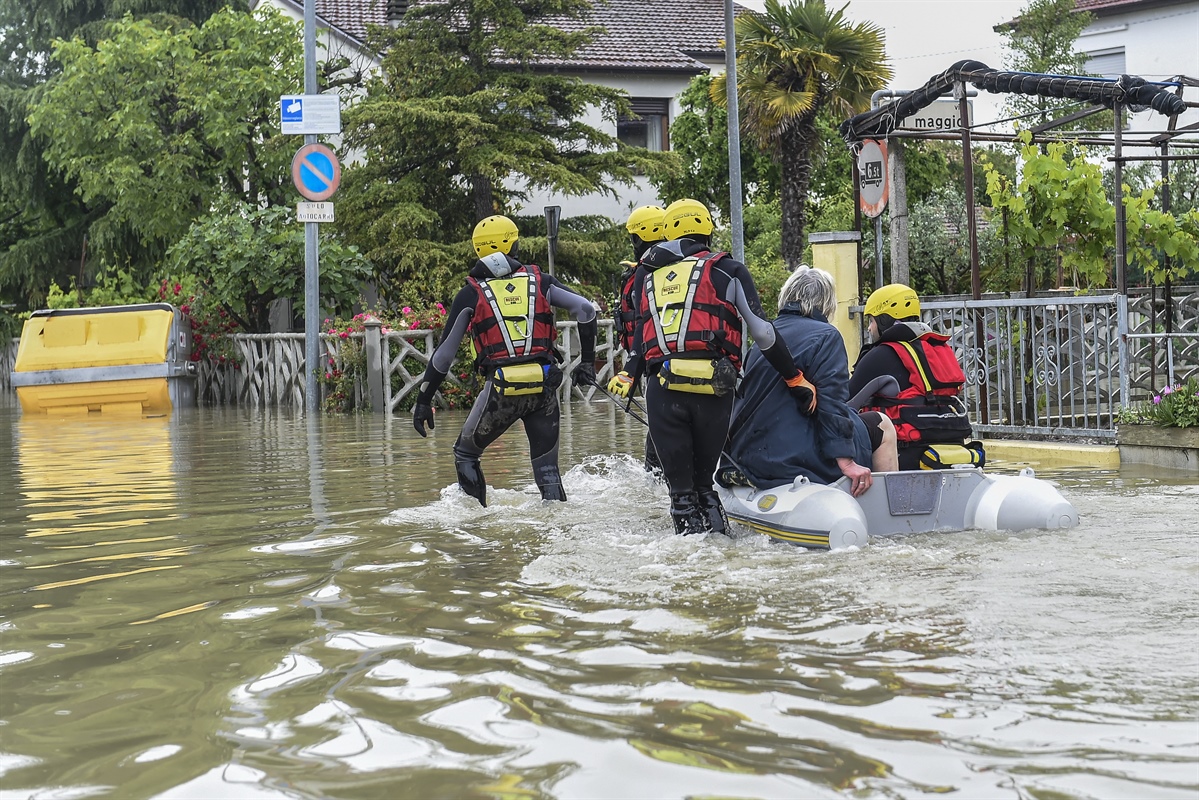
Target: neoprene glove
(584, 374)
(422, 413)
(621, 384)
(804, 394)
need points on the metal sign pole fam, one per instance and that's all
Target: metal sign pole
(730, 66)
(312, 295)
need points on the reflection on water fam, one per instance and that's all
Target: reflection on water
(252, 605)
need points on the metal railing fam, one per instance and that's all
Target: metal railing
(1057, 366)
(1044, 366)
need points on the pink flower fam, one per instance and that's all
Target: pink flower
(441, 309)
(1157, 399)
(1167, 391)
(344, 334)
(406, 310)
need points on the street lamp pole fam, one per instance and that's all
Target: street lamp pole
(730, 76)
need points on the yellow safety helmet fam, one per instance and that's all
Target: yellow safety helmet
(495, 234)
(685, 217)
(896, 300)
(646, 223)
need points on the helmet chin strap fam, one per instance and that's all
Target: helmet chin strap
(497, 264)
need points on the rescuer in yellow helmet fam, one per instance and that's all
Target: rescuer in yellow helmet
(645, 229)
(507, 307)
(911, 374)
(693, 306)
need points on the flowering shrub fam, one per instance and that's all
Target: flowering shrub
(1172, 407)
(344, 376)
(210, 322)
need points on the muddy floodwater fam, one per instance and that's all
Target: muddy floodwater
(237, 604)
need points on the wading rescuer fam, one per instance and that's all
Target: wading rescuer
(911, 374)
(507, 307)
(645, 229)
(692, 306)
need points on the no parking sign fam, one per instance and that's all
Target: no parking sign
(316, 171)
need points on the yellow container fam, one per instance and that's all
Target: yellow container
(119, 359)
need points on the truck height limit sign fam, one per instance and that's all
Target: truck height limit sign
(872, 177)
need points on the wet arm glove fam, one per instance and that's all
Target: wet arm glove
(422, 411)
(584, 374)
(804, 394)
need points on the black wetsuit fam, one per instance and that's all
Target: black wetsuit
(689, 429)
(493, 413)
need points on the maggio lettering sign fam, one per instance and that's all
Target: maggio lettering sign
(941, 115)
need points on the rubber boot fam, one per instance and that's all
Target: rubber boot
(713, 510)
(549, 480)
(687, 515)
(470, 478)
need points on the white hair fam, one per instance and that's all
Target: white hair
(812, 290)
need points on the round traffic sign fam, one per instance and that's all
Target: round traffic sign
(873, 181)
(316, 171)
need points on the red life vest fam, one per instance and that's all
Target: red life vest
(928, 409)
(625, 317)
(512, 322)
(683, 314)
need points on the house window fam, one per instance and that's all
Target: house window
(1107, 63)
(647, 127)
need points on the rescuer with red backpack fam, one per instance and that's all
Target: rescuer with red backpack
(924, 383)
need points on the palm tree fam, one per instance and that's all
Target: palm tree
(794, 60)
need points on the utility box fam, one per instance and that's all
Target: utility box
(836, 252)
(114, 360)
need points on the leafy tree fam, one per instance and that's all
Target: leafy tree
(1059, 204)
(43, 223)
(1041, 40)
(465, 117)
(245, 257)
(157, 120)
(793, 61)
(940, 243)
(700, 136)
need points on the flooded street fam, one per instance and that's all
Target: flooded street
(237, 604)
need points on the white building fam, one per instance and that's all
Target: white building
(650, 49)
(1157, 40)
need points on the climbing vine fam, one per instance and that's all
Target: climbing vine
(1058, 203)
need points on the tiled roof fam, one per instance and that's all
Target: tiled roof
(669, 35)
(1102, 7)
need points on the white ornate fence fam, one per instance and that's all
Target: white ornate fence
(1053, 366)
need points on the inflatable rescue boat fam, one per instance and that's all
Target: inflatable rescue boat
(829, 517)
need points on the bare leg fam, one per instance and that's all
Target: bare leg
(886, 457)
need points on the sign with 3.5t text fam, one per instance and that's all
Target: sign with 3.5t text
(872, 177)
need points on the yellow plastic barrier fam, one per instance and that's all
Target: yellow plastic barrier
(114, 360)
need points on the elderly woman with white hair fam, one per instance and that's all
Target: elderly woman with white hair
(770, 442)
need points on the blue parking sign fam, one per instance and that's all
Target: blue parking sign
(316, 172)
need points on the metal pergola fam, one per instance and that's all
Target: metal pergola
(1093, 95)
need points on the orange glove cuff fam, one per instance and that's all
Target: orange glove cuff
(798, 380)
